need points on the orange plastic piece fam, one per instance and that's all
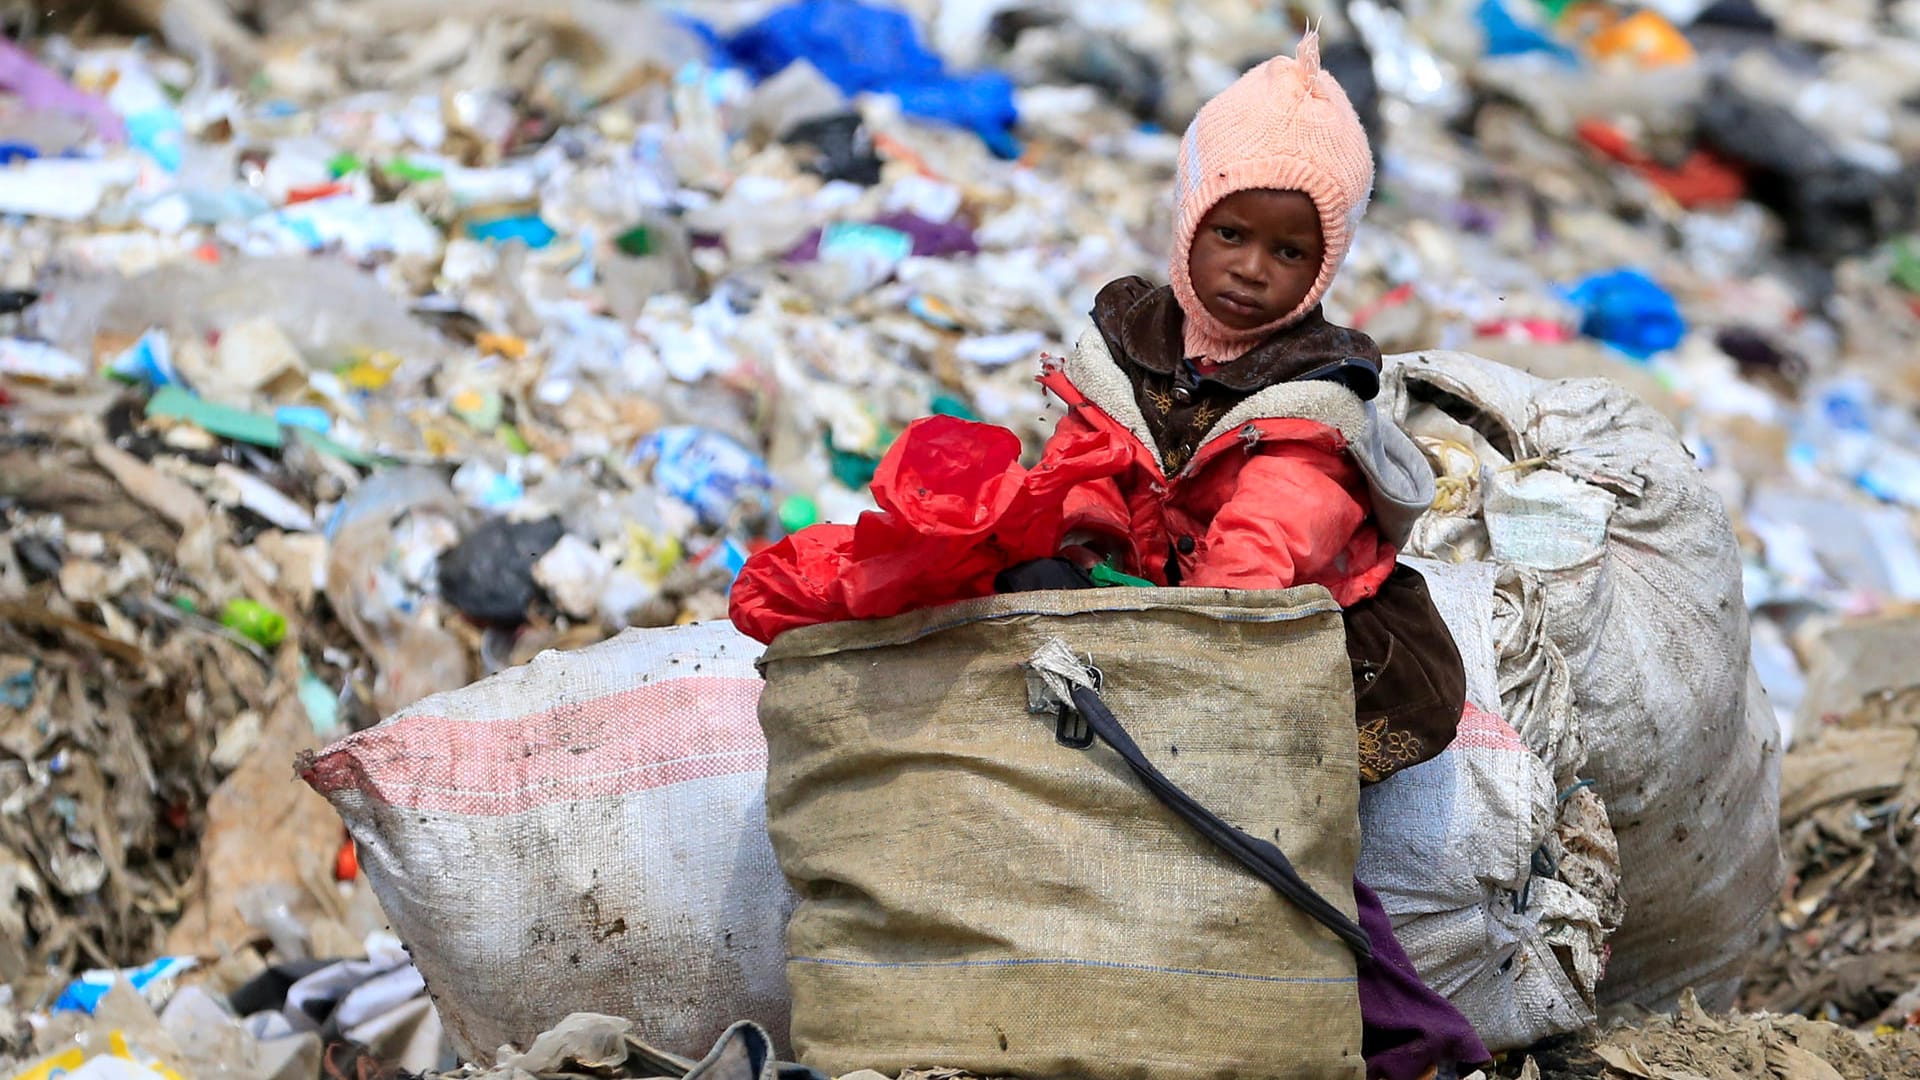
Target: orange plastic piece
(346, 864)
(1645, 38)
(295, 196)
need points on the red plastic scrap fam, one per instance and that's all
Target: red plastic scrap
(1535, 330)
(346, 864)
(298, 195)
(1703, 179)
(1393, 299)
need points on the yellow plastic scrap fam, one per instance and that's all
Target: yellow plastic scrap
(469, 401)
(503, 345)
(438, 442)
(373, 372)
(70, 1060)
(481, 409)
(650, 555)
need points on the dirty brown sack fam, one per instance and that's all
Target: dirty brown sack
(976, 895)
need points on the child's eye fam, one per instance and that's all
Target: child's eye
(1231, 236)
(1291, 253)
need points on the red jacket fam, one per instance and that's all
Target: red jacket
(1269, 503)
(1301, 484)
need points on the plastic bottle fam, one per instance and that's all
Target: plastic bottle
(257, 621)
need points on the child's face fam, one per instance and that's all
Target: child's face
(1255, 256)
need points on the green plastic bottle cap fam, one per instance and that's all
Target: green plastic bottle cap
(797, 512)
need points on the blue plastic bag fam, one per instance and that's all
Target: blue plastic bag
(861, 48)
(1507, 36)
(85, 993)
(526, 228)
(1629, 311)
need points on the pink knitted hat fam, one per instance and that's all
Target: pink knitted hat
(1288, 126)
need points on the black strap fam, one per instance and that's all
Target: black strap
(1265, 859)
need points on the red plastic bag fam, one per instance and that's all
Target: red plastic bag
(956, 508)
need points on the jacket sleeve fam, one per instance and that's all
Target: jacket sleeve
(1288, 518)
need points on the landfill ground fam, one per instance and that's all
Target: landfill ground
(352, 352)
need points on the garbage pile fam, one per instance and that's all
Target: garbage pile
(1694, 1043)
(351, 352)
(1850, 814)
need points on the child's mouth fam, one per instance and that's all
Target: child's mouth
(1240, 304)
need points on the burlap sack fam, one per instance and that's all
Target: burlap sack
(976, 895)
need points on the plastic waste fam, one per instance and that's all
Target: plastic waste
(155, 978)
(1507, 36)
(1906, 265)
(794, 96)
(527, 229)
(797, 512)
(36, 88)
(148, 361)
(257, 621)
(119, 1059)
(1831, 207)
(843, 150)
(358, 228)
(862, 49)
(863, 243)
(1052, 50)
(889, 239)
(153, 124)
(177, 403)
(38, 360)
(1702, 178)
(327, 308)
(711, 473)
(575, 574)
(489, 575)
(1644, 38)
(66, 189)
(386, 541)
(1000, 350)
(1630, 311)
(17, 683)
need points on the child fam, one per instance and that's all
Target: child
(1259, 460)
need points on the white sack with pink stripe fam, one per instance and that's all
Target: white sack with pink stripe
(583, 834)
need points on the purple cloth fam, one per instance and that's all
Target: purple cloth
(37, 87)
(931, 239)
(1406, 1028)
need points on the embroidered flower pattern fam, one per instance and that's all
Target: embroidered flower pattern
(1384, 752)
